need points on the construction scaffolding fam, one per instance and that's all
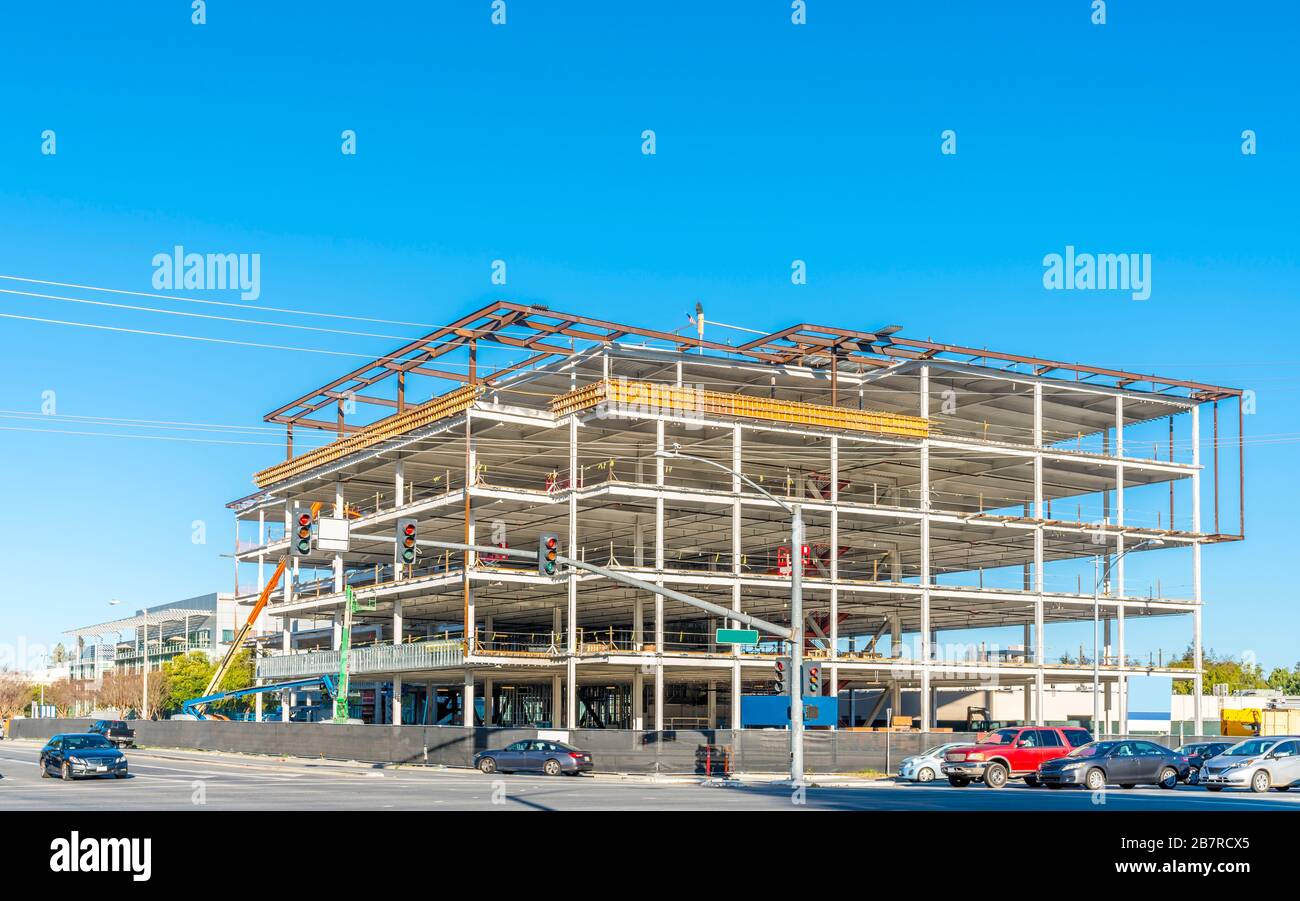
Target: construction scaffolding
(944, 490)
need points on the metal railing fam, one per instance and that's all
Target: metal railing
(377, 658)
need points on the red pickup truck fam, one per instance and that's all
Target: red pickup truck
(1014, 753)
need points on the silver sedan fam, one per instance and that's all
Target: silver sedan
(1256, 763)
(924, 767)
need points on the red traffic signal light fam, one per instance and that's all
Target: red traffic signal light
(780, 670)
(812, 679)
(300, 541)
(548, 553)
(406, 543)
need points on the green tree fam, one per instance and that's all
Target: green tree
(1235, 673)
(188, 676)
(1285, 680)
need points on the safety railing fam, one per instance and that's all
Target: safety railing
(376, 658)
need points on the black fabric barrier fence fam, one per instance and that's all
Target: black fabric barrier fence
(681, 751)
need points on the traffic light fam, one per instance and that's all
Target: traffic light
(548, 552)
(781, 676)
(405, 549)
(300, 537)
(812, 679)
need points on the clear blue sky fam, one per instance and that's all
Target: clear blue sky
(522, 142)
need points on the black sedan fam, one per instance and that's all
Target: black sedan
(1199, 752)
(537, 755)
(75, 755)
(1123, 763)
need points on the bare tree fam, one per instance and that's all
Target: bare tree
(158, 691)
(120, 692)
(15, 694)
(65, 693)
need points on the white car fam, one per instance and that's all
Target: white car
(1256, 763)
(924, 767)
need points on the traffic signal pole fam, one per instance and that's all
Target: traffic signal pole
(796, 645)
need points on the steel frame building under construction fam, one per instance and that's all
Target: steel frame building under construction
(944, 489)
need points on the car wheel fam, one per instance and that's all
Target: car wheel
(1032, 781)
(1168, 778)
(45, 769)
(1095, 780)
(926, 775)
(65, 772)
(995, 776)
(119, 775)
(1260, 782)
(487, 765)
(1214, 788)
(551, 768)
(958, 781)
(1193, 776)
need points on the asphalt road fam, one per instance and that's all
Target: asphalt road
(182, 780)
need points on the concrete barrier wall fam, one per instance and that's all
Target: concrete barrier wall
(613, 750)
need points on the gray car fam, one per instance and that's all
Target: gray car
(1256, 763)
(535, 755)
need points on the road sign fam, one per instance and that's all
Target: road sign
(736, 636)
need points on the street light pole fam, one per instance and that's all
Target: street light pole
(796, 605)
(1096, 622)
(144, 669)
(1096, 640)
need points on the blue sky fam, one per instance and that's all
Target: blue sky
(522, 142)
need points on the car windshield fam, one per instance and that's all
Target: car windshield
(1092, 749)
(85, 742)
(1249, 748)
(935, 751)
(1001, 737)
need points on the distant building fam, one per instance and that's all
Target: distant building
(153, 636)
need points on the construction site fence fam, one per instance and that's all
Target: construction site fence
(714, 752)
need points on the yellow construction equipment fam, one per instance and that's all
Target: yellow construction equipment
(1243, 721)
(1248, 721)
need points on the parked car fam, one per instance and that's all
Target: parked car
(1257, 763)
(116, 731)
(535, 755)
(1197, 753)
(74, 755)
(1124, 763)
(927, 765)
(1012, 753)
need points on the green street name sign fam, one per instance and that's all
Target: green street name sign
(737, 636)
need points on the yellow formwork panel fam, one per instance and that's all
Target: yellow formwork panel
(449, 404)
(633, 395)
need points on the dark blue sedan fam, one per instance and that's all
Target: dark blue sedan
(536, 755)
(77, 755)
